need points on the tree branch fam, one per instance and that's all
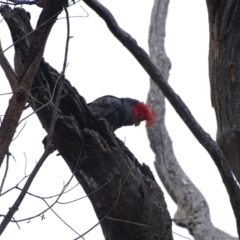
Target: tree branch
(8, 70)
(5, 174)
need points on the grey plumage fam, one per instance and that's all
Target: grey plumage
(117, 111)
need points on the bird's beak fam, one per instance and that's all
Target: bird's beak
(137, 123)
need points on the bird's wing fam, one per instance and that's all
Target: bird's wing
(106, 106)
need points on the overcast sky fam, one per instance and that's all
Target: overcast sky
(100, 65)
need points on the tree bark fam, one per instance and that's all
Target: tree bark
(224, 71)
(193, 212)
(126, 198)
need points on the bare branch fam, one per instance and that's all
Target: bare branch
(51, 19)
(61, 218)
(8, 70)
(5, 174)
(125, 221)
(20, 131)
(119, 191)
(20, 198)
(22, 2)
(75, 200)
(10, 189)
(58, 196)
(25, 168)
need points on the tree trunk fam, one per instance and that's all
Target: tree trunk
(224, 71)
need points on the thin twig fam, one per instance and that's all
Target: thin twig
(46, 104)
(130, 222)
(119, 192)
(182, 236)
(88, 195)
(16, 223)
(5, 173)
(8, 93)
(20, 131)
(142, 225)
(115, 204)
(22, 2)
(87, 15)
(10, 189)
(8, 70)
(56, 195)
(61, 218)
(50, 206)
(78, 164)
(25, 168)
(21, 196)
(34, 30)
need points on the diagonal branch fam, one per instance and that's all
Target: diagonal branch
(8, 70)
(204, 138)
(31, 65)
(5, 174)
(21, 196)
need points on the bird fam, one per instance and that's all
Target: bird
(121, 112)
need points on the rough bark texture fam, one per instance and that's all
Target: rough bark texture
(224, 69)
(95, 155)
(191, 203)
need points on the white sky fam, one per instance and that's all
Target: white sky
(100, 65)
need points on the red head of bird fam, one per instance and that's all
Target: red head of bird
(141, 112)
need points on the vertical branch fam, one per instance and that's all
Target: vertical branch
(5, 173)
(8, 70)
